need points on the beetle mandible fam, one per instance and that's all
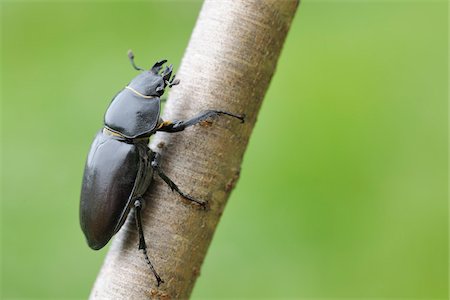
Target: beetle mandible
(120, 165)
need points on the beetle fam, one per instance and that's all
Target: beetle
(120, 165)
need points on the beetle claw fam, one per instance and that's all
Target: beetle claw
(204, 205)
(159, 281)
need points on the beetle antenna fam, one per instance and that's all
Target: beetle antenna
(173, 82)
(131, 57)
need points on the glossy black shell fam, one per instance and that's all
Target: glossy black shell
(132, 115)
(108, 181)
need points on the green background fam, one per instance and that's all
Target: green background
(343, 191)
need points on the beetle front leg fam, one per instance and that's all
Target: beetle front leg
(170, 183)
(175, 126)
(142, 244)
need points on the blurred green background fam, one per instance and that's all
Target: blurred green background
(351, 203)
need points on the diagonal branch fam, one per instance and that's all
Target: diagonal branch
(228, 65)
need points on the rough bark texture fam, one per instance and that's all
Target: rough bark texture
(228, 65)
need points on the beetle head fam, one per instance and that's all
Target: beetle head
(153, 82)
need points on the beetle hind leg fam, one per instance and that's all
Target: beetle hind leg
(142, 244)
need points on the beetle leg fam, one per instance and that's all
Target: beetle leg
(170, 183)
(142, 244)
(176, 126)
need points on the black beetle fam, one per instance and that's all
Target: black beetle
(120, 165)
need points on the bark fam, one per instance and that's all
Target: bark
(228, 65)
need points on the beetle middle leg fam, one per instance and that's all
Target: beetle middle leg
(175, 126)
(142, 244)
(155, 165)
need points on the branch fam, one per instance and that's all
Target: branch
(228, 65)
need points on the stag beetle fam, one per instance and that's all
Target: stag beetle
(120, 165)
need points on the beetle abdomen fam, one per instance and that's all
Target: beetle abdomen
(132, 115)
(108, 180)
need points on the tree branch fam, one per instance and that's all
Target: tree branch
(228, 65)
